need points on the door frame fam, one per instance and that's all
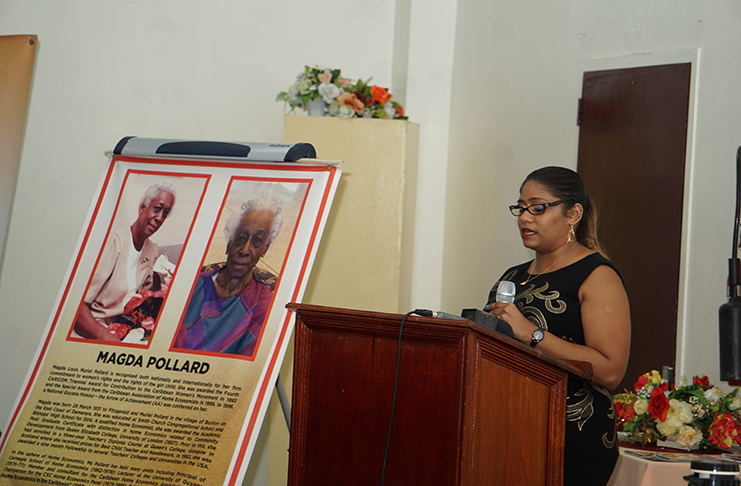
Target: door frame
(692, 56)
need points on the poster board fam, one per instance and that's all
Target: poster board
(160, 406)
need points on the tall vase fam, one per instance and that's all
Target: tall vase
(316, 107)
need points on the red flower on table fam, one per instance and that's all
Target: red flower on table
(658, 404)
(702, 381)
(723, 432)
(641, 382)
(623, 413)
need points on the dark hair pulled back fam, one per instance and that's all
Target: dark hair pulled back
(566, 185)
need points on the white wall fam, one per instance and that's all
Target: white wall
(181, 69)
(517, 78)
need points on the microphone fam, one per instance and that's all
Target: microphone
(506, 292)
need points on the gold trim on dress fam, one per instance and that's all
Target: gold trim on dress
(582, 410)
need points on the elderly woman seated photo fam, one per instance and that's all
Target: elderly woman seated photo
(125, 276)
(228, 307)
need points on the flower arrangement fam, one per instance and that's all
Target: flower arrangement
(343, 98)
(691, 416)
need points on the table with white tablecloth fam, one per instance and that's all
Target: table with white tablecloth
(633, 470)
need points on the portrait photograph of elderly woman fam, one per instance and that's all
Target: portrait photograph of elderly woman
(232, 296)
(138, 260)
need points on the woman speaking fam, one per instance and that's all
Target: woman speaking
(570, 303)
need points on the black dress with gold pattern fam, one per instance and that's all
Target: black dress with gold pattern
(551, 302)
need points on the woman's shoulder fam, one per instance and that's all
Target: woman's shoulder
(516, 269)
(597, 272)
(595, 260)
(510, 273)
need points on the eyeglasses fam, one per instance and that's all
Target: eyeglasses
(535, 209)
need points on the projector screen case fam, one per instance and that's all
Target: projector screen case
(254, 152)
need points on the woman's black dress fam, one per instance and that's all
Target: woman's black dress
(551, 302)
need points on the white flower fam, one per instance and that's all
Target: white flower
(389, 109)
(681, 410)
(678, 414)
(346, 112)
(688, 437)
(292, 95)
(735, 403)
(163, 265)
(667, 428)
(304, 87)
(640, 406)
(329, 92)
(713, 395)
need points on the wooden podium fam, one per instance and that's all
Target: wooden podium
(473, 407)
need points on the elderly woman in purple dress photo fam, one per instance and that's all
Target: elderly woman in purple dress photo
(227, 310)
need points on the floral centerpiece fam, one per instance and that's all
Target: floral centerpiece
(691, 416)
(342, 97)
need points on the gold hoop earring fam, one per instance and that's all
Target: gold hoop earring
(572, 235)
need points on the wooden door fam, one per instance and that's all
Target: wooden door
(632, 146)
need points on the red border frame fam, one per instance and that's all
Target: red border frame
(261, 391)
(283, 266)
(129, 172)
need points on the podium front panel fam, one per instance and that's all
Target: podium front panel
(473, 407)
(344, 414)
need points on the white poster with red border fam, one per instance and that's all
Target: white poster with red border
(169, 397)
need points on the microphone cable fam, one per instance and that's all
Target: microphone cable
(419, 312)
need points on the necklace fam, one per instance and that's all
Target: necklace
(533, 277)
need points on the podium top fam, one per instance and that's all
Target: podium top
(434, 328)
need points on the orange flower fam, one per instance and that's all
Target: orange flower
(379, 94)
(349, 99)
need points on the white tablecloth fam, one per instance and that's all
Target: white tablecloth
(637, 471)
